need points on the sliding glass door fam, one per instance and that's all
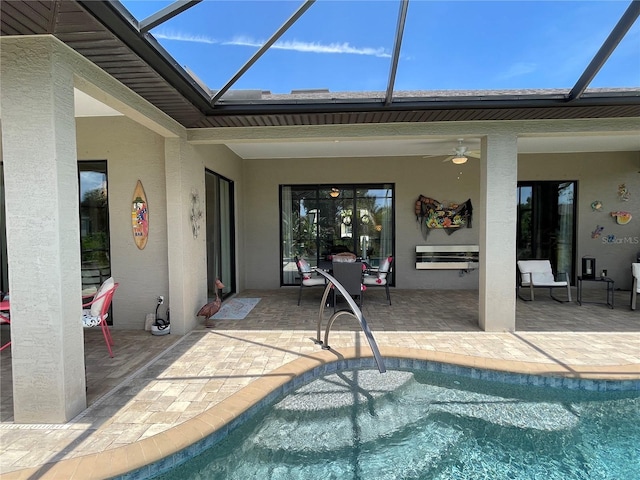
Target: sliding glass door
(320, 220)
(546, 223)
(220, 234)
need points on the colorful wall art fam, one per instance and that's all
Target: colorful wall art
(622, 218)
(139, 216)
(623, 193)
(434, 214)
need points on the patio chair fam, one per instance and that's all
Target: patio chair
(378, 277)
(96, 311)
(538, 274)
(349, 275)
(635, 287)
(5, 318)
(307, 276)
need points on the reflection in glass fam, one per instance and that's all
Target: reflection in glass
(316, 224)
(94, 223)
(220, 234)
(546, 223)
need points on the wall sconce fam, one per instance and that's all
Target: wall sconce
(334, 192)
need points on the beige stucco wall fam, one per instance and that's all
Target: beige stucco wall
(598, 176)
(412, 177)
(133, 153)
(222, 161)
(39, 155)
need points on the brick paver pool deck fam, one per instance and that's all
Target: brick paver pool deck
(159, 394)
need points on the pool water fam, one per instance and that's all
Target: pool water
(361, 424)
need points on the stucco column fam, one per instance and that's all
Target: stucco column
(41, 180)
(498, 213)
(187, 251)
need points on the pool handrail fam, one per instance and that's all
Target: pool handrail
(355, 312)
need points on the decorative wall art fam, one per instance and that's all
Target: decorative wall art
(596, 205)
(597, 232)
(622, 218)
(196, 213)
(139, 216)
(623, 193)
(433, 214)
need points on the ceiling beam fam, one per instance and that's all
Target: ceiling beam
(617, 34)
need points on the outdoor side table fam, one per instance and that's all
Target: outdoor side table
(607, 280)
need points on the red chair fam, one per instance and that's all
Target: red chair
(96, 311)
(4, 317)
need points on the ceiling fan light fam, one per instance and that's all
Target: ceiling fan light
(459, 159)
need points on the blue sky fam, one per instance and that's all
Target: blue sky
(447, 45)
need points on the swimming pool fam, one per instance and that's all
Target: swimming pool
(439, 422)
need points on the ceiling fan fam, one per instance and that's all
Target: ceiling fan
(461, 154)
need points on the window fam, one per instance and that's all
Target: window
(320, 220)
(94, 223)
(546, 223)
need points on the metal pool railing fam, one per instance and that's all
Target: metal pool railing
(354, 312)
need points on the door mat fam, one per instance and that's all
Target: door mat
(235, 308)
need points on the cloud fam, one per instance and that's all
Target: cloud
(296, 46)
(518, 70)
(181, 37)
(314, 47)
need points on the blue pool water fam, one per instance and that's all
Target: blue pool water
(360, 424)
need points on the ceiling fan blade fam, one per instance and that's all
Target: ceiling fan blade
(433, 156)
(448, 159)
(474, 154)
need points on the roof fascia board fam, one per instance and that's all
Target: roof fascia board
(615, 37)
(323, 106)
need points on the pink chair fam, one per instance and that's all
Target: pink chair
(4, 317)
(96, 311)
